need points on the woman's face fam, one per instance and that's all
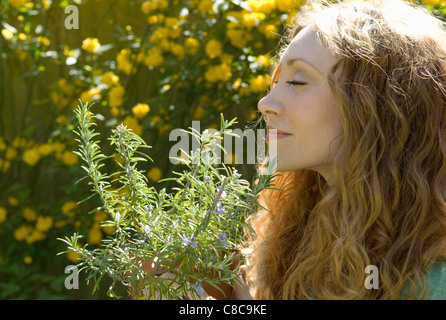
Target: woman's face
(302, 108)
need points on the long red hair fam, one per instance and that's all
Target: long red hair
(387, 206)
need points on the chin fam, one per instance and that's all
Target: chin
(286, 167)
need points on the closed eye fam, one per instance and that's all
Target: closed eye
(296, 83)
(292, 83)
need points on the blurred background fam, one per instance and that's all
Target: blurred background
(153, 65)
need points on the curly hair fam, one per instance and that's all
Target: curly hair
(387, 206)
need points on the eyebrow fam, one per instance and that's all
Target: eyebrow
(300, 61)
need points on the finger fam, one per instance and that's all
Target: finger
(242, 270)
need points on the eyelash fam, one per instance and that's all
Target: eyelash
(293, 83)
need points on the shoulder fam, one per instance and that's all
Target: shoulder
(435, 281)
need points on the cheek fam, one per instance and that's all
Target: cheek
(318, 114)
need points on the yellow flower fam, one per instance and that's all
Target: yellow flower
(22, 232)
(149, 6)
(265, 6)
(73, 256)
(91, 45)
(218, 73)
(69, 158)
(44, 41)
(110, 79)
(154, 58)
(3, 214)
(140, 56)
(140, 110)
(259, 83)
(44, 224)
(269, 30)
(68, 208)
(10, 153)
(153, 19)
(17, 3)
(264, 60)
(19, 142)
(254, 116)
(60, 224)
(155, 174)
(5, 165)
(162, 4)
(117, 112)
(108, 229)
(68, 52)
(192, 45)
(90, 95)
(45, 149)
(116, 96)
(7, 34)
(35, 235)
(46, 4)
(13, 201)
(58, 146)
(2, 144)
(123, 62)
(287, 5)
(62, 120)
(22, 36)
(430, 2)
(214, 126)
(171, 22)
(178, 50)
(27, 259)
(132, 123)
(239, 38)
(29, 214)
(198, 113)
(213, 48)
(95, 234)
(159, 34)
(205, 6)
(31, 156)
(100, 216)
(237, 83)
(251, 19)
(164, 128)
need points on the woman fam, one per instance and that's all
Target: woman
(359, 105)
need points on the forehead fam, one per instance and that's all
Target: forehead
(306, 46)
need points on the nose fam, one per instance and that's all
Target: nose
(269, 106)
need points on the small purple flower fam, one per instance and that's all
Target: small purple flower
(223, 193)
(149, 208)
(222, 239)
(210, 255)
(220, 209)
(188, 241)
(198, 288)
(142, 242)
(207, 178)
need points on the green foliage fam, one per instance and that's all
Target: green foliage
(195, 232)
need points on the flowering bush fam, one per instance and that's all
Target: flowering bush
(153, 65)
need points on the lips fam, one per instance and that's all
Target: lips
(278, 131)
(274, 133)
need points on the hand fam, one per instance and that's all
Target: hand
(241, 290)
